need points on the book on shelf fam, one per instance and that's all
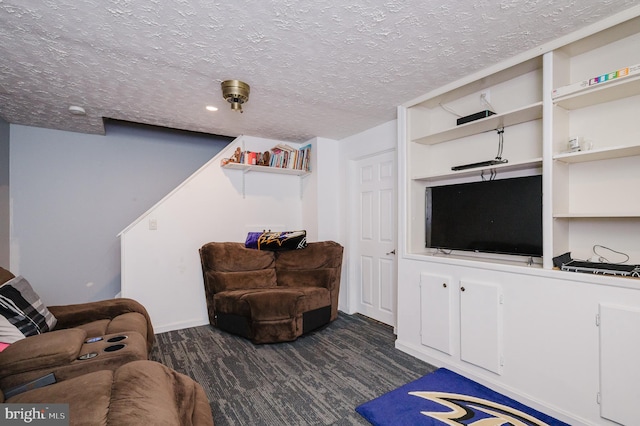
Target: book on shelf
(280, 156)
(287, 157)
(597, 80)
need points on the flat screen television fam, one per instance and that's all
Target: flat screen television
(494, 216)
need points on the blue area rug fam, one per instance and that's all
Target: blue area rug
(446, 398)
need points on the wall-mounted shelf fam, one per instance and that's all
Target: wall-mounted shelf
(598, 154)
(511, 118)
(247, 168)
(599, 94)
(265, 169)
(605, 215)
(507, 167)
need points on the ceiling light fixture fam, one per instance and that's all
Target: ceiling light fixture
(211, 108)
(77, 110)
(235, 92)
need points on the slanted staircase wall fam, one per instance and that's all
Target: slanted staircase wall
(160, 260)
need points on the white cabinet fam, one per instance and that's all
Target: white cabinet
(436, 298)
(481, 325)
(479, 329)
(619, 369)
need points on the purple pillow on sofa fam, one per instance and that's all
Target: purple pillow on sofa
(276, 241)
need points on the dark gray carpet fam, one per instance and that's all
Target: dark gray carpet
(317, 380)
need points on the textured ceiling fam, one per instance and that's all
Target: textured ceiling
(316, 68)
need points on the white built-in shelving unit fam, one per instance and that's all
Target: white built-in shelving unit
(591, 198)
(542, 333)
(537, 130)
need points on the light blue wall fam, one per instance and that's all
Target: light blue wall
(5, 206)
(73, 193)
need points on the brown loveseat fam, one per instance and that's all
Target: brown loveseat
(271, 296)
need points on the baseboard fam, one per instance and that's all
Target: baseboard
(417, 351)
(163, 328)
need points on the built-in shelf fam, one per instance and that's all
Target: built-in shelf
(598, 94)
(585, 206)
(598, 154)
(506, 167)
(265, 169)
(511, 118)
(606, 215)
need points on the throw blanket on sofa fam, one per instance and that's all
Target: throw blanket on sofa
(276, 241)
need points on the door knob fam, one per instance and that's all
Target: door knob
(392, 252)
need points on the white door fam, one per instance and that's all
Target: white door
(376, 237)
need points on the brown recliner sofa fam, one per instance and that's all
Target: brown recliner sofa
(269, 296)
(138, 393)
(100, 318)
(87, 337)
(96, 360)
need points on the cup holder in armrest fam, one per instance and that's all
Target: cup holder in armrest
(114, 348)
(88, 356)
(93, 339)
(116, 339)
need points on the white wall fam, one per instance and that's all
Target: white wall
(322, 206)
(376, 140)
(5, 205)
(161, 268)
(72, 193)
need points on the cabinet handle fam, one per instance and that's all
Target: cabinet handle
(462, 288)
(444, 285)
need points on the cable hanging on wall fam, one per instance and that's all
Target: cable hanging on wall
(500, 144)
(498, 159)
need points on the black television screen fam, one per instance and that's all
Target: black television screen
(494, 216)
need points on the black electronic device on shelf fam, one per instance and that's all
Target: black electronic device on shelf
(601, 268)
(566, 263)
(473, 117)
(479, 164)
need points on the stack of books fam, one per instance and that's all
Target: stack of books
(287, 157)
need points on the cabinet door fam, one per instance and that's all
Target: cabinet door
(481, 325)
(435, 308)
(619, 369)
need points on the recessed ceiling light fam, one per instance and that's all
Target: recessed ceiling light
(77, 110)
(211, 108)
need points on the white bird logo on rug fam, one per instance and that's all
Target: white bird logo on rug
(466, 408)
